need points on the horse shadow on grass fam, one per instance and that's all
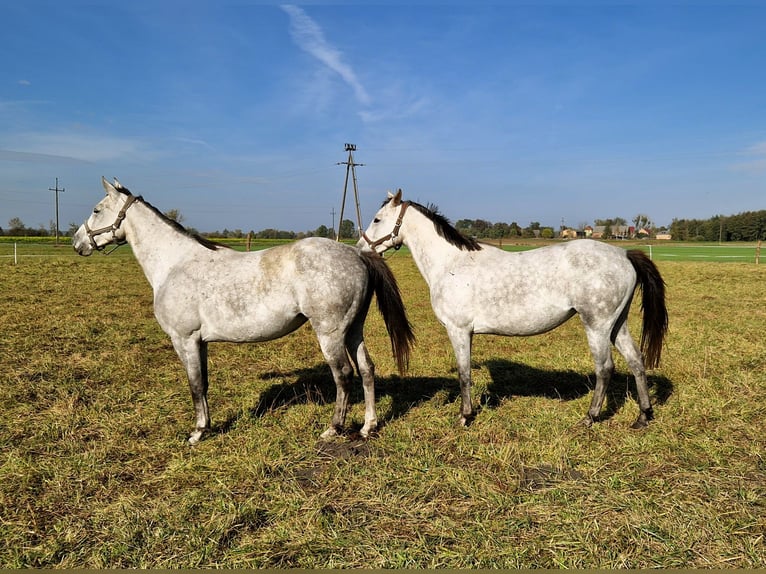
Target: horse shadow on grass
(508, 379)
(315, 385)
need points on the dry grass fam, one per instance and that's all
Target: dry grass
(94, 471)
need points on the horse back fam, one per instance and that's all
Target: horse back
(236, 296)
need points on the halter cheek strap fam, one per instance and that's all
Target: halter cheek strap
(92, 233)
(393, 235)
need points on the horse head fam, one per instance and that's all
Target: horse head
(384, 231)
(104, 226)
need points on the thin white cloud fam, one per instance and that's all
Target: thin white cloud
(25, 83)
(73, 146)
(308, 35)
(403, 109)
(33, 157)
(757, 163)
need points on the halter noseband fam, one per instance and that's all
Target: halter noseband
(92, 233)
(393, 235)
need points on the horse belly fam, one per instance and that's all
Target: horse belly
(250, 331)
(520, 321)
(248, 321)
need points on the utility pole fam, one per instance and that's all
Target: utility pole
(350, 165)
(333, 219)
(57, 189)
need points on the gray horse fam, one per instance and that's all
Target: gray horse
(204, 292)
(478, 288)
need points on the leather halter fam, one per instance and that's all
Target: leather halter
(394, 234)
(92, 233)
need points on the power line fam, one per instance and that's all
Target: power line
(350, 165)
(56, 189)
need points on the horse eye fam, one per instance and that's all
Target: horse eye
(376, 220)
(96, 210)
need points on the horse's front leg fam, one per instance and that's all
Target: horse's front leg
(461, 344)
(193, 355)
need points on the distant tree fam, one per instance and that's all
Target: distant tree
(499, 230)
(465, 226)
(642, 221)
(175, 215)
(16, 226)
(347, 229)
(546, 233)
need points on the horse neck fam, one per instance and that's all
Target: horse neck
(431, 253)
(157, 246)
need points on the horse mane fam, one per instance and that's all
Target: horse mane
(209, 244)
(445, 229)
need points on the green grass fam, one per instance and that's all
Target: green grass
(95, 472)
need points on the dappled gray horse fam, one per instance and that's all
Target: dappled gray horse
(478, 288)
(204, 292)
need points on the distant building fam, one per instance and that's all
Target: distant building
(570, 234)
(618, 232)
(663, 236)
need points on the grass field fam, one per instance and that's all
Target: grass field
(95, 472)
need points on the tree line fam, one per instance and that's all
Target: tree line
(746, 226)
(17, 228)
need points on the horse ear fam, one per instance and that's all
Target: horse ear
(107, 186)
(398, 197)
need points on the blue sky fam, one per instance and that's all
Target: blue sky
(236, 112)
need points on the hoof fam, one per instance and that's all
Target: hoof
(643, 420)
(587, 421)
(196, 436)
(366, 431)
(330, 433)
(465, 420)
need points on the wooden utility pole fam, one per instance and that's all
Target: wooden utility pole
(350, 165)
(57, 189)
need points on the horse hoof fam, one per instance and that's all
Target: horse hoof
(365, 431)
(465, 421)
(329, 433)
(641, 423)
(195, 437)
(587, 421)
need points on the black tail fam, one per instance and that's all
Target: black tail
(655, 313)
(391, 307)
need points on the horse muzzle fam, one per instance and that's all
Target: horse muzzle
(81, 242)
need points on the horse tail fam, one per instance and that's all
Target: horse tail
(655, 312)
(391, 307)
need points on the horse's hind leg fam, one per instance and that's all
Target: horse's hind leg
(334, 351)
(193, 355)
(364, 365)
(627, 347)
(601, 349)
